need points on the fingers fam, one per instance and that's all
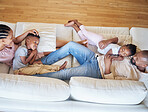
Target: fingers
(34, 31)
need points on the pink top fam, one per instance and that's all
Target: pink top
(7, 54)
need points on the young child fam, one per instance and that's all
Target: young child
(104, 46)
(9, 44)
(26, 54)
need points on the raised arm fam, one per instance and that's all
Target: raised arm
(104, 43)
(20, 38)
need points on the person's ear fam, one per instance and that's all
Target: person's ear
(28, 40)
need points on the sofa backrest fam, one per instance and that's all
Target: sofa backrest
(140, 37)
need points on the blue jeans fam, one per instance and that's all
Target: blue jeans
(88, 62)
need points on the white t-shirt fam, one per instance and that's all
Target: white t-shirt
(115, 49)
(17, 63)
(120, 70)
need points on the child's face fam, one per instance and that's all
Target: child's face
(124, 51)
(32, 42)
(6, 41)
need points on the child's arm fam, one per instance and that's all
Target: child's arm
(104, 43)
(33, 59)
(117, 58)
(20, 38)
(27, 60)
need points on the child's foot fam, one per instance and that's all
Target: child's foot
(84, 42)
(63, 66)
(74, 20)
(71, 23)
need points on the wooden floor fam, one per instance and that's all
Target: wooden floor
(124, 13)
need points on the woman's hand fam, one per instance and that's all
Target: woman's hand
(33, 31)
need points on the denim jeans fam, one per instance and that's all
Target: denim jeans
(88, 62)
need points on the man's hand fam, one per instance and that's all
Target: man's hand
(103, 44)
(108, 62)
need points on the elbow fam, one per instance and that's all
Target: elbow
(117, 39)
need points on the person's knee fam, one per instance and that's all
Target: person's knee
(71, 43)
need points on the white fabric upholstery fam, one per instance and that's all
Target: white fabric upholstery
(46, 31)
(144, 79)
(4, 68)
(33, 88)
(107, 91)
(140, 37)
(11, 105)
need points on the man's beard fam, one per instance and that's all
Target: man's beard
(132, 61)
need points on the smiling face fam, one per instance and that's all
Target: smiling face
(124, 51)
(140, 59)
(7, 40)
(32, 42)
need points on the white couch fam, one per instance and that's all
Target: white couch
(81, 94)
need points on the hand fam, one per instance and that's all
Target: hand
(103, 44)
(34, 52)
(108, 62)
(33, 31)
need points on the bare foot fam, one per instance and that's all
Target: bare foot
(83, 42)
(37, 62)
(63, 66)
(70, 23)
(74, 20)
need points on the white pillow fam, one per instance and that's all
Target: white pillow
(33, 88)
(46, 31)
(107, 91)
(140, 36)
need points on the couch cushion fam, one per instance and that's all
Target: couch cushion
(33, 88)
(140, 37)
(107, 91)
(46, 31)
(4, 68)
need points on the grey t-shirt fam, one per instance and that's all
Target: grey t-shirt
(17, 63)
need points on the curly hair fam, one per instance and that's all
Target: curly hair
(132, 48)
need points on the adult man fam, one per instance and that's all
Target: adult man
(91, 65)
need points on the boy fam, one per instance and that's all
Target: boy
(104, 46)
(26, 54)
